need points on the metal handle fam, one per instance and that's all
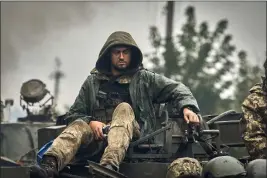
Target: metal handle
(220, 116)
(209, 132)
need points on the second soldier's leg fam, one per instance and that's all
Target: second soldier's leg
(121, 132)
(66, 145)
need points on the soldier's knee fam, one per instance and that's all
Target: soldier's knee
(77, 125)
(256, 168)
(123, 115)
(79, 122)
(124, 105)
(77, 128)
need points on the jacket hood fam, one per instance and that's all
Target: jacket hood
(115, 39)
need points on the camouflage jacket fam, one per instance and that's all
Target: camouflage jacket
(145, 87)
(253, 122)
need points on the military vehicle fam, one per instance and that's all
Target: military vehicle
(19, 139)
(217, 135)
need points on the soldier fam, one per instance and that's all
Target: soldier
(184, 168)
(119, 93)
(253, 123)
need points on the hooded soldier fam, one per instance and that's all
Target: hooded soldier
(254, 120)
(119, 93)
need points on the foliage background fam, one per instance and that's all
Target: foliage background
(218, 73)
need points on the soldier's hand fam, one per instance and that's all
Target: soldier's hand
(190, 116)
(97, 126)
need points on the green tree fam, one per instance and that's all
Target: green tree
(200, 58)
(247, 77)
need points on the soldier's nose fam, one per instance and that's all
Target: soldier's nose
(121, 55)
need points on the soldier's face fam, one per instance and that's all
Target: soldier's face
(120, 58)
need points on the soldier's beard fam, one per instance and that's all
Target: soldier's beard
(120, 69)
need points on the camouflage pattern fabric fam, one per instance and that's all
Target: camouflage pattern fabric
(253, 123)
(79, 135)
(66, 145)
(120, 134)
(184, 167)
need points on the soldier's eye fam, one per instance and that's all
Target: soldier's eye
(116, 52)
(126, 51)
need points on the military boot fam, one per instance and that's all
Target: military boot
(47, 168)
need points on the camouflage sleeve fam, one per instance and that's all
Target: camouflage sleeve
(252, 128)
(79, 110)
(167, 90)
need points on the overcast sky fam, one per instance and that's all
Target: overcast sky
(34, 33)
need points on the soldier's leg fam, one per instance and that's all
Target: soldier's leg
(122, 129)
(66, 145)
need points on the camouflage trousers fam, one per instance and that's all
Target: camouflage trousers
(79, 138)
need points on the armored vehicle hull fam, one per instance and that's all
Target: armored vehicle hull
(174, 139)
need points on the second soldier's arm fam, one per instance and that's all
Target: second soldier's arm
(253, 133)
